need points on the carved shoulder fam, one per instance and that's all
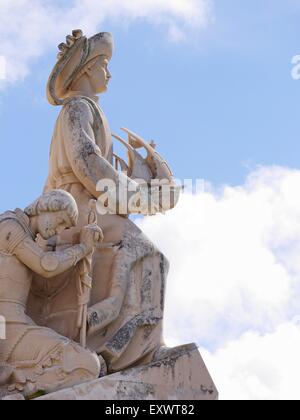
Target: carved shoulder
(11, 235)
(79, 110)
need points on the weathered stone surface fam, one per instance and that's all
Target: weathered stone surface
(179, 374)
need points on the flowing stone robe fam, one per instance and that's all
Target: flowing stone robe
(32, 358)
(127, 298)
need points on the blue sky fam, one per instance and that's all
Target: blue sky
(210, 81)
(218, 104)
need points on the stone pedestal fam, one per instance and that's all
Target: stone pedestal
(177, 374)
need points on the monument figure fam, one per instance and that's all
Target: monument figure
(127, 298)
(109, 302)
(34, 358)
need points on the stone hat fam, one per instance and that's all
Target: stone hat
(74, 55)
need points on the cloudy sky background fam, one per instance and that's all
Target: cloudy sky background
(211, 82)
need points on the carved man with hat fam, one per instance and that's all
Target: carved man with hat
(125, 312)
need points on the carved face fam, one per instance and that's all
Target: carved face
(100, 75)
(53, 223)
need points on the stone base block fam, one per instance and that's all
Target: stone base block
(176, 374)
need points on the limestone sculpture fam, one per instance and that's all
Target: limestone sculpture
(112, 301)
(34, 358)
(127, 298)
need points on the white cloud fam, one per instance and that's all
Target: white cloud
(2, 67)
(28, 28)
(235, 268)
(257, 367)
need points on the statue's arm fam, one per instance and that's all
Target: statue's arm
(49, 264)
(84, 155)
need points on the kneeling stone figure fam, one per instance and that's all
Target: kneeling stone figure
(34, 358)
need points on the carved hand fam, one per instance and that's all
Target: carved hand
(91, 236)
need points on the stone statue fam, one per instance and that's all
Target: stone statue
(111, 301)
(127, 299)
(34, 358)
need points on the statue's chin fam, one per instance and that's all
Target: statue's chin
(102, 90)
